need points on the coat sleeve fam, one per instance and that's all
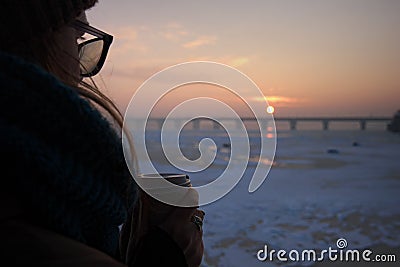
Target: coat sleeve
(158, 249)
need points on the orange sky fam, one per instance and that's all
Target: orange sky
(308, 57)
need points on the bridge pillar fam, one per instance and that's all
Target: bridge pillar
(293, 124)
(177, 123)
(325, 124)
(160, 123)
(196, 124)
(264, 124)
(238, 123)
(363, 124)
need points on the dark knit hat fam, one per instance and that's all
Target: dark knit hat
(27, 19)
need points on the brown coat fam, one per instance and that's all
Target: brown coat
(25, 244)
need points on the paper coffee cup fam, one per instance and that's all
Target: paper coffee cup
(158, 211)
(175, 178)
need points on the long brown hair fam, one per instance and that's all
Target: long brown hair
(44, 51)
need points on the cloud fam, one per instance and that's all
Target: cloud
(173, 36)
(200, 41)
(173, 31)
(126, 33)
(282, 101)
(239, 61)
(127, 41)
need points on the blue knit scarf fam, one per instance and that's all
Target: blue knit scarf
(63, 160)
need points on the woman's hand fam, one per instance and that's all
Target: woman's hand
(181, 225)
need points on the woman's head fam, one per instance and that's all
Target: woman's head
(46, 33)
(40, 31)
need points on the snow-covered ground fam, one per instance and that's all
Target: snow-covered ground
(323, 185)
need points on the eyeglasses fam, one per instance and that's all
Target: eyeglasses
(93, 52)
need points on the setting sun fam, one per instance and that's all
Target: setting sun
(270, 109)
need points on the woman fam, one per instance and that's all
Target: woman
(65, 187)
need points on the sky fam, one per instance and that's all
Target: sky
(309, 58)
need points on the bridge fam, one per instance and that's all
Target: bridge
(293, 121)
(326, 120)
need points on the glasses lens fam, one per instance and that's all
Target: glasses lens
(89, 55)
